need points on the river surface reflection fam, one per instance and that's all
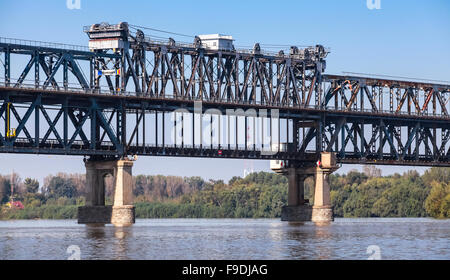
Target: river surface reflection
(393, 238)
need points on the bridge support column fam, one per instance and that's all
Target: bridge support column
(95, 183)
(322, 211)
(123, 213)
(96, 212)
(296, 210)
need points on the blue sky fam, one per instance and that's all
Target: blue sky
(403, 38)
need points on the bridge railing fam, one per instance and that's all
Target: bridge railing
(387, 112)
(33, 43)
(206, 146)
(238, 50)
(55, 143)
(29, 84)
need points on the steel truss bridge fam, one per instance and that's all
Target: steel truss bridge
(162, 98)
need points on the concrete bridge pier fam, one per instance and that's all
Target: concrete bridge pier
(322, 211)
(297, 209)
(121, 213)
(123, 210)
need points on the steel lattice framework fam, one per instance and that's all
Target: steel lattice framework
(72, 107)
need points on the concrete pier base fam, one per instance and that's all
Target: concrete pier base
(123, 216)
(299, 213)
(94, 214)
(122, 212)
(322, 214)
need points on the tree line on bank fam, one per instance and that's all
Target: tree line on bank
(258, 195)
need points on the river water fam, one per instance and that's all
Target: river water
(392, 238)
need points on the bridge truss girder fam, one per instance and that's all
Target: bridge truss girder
(198, 74)
(157, 70)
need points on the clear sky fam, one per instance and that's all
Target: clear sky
(403, 38)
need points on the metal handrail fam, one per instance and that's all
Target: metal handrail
(43, 44)
(238, 50)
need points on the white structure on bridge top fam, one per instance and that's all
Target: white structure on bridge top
(217, 42)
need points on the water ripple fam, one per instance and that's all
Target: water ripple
(397, 238)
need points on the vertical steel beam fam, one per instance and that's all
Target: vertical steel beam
(7, 66)
(66, 120)
(36, 69)
(163, 133)
(65, 75)
(93, 116)
(156, 128)
(36, 123)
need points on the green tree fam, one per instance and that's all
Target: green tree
(31, 185)
(60, 187)
(363, 196)
(383, 207)
(404, 199)
(5, 189)
(445, 206)
(438, 174)
(437, 203)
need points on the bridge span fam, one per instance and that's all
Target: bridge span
(131, 95)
